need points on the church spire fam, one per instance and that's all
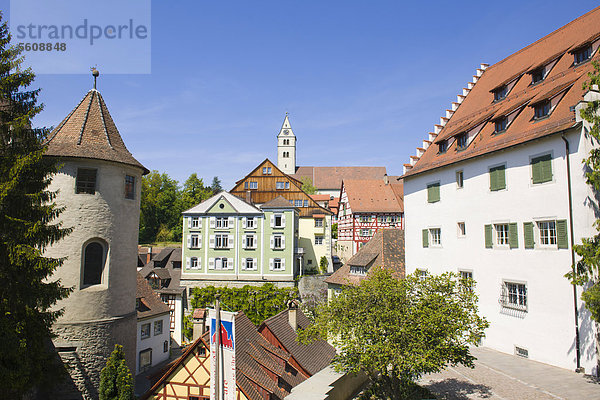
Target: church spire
(286, 147)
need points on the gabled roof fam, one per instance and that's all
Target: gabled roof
(385, 249)
(150, 305)
(374, 195)
(277, 202)
(90, 132)
(312, 357)
(238, 204)
(168, 261)
(563, 83)
(331, 177)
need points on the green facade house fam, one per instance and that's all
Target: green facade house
(227, 241)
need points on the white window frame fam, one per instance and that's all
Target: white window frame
(318, 240)
(356, 270)
(365, 232)
(422, 273)
(435, 233)
(143, 328)
(460, 179)
(250, 241)
(195, 222)
(550, 236)
(514, 295)
(281, 218)
(277, 264)
(276, 239)
(461, 229)
(221, 241)
(250, 223)
(156, 324)
(318, 222)
(501, 234)
(222, 222)
(195, 241)
(250, 264)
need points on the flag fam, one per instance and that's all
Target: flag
(227, 355)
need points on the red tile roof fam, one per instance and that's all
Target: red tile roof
(90, 132)
(331, 177)
(374, 195)
(150, 304)
(479, 108)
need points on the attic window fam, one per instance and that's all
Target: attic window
(442, 146)
(501, 124)
(542, 109)
(583, 54)
(500, 93)
(356, 270)
(538, 75)
(461, 141)
(267, 171)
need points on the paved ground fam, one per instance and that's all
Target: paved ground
(499, 376)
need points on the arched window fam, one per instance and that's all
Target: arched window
(93, 263)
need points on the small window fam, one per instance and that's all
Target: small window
(86, 181)
(547, 233)
(158, 328)
(442, 147)
(250, 241)
(278, 242)
(195, 222)
(278, 221)
(280, 185)
(145, 358)
(500, 125)
(538, 75)
(195, 241)
(459, 179)
(194, 263)
(252, 185)
(462, 230)
(318, 240)
(521, 352)
(318, 222)
(145, 331)
(501, 234)
(221, 241)
(250, 264)
(436, 236)
(277, 264)
(542, 109)
(466, 275)
(583, 54)
(221, 263)
(129, 187)
(305, 203)
(462, 141)
(422, 274)
(165, 346)
(222, 222)
(514, 295)
(365, 218)
(500, 93)
(297, 203)
(93, 264)
(250, 223)
(356, 270)
(365, 232)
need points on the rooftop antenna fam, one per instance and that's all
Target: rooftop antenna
(95, 73)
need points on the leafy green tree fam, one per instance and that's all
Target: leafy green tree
(116, 382)
(192, 193)
(257, 302)
(27, 212)
(334, 230)
(159, 199)
(216, 185)
(323, 264)
(398, 330)
(588, 266)
(307, 185)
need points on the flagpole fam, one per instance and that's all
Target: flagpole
(219, 377)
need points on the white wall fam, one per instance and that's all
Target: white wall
(178, 331)
(154, 342)
(547, 329)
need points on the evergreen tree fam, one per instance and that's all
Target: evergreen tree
(116, 382)
(216, 185)
(27, 212)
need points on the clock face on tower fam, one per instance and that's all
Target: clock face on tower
(286, 132)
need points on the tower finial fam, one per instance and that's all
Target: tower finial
(95, 73)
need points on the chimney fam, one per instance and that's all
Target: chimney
(198, 318)
(248, 197)
(386, 179)
(293, 314)
(149, 255)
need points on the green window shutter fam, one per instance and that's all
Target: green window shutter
(541, 169)
(433, 192)
(513, 235)
(488, 237)
(561, 234)
(497, 178)
(425, 237)
(528, 234)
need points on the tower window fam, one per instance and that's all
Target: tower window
(129, 187)
(86, 181)
(93, 264)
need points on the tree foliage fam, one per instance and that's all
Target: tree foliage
(27, 212)
(323, 264)
(162, 203)
(116, 381)
(216, 185)
(588, 266)
(257, 302)
(307, 185)
(398, 330)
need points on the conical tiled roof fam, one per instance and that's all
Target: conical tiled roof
(90, 132)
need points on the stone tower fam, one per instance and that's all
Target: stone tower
(286, 148)
(99, 186)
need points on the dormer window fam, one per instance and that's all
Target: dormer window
(500, 93)
(542, 109)
(501, 124)
(461, 141)
(538, 75)
(442, 146)
(583, 54)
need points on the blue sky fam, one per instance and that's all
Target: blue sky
(363, 81)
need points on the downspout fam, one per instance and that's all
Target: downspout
(577, 342)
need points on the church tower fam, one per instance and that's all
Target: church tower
(286, 148)
(99, 187)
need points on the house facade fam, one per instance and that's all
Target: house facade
(153, 335)
(229, 241)
(498, 194)
(365, 207)
(267, 182)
